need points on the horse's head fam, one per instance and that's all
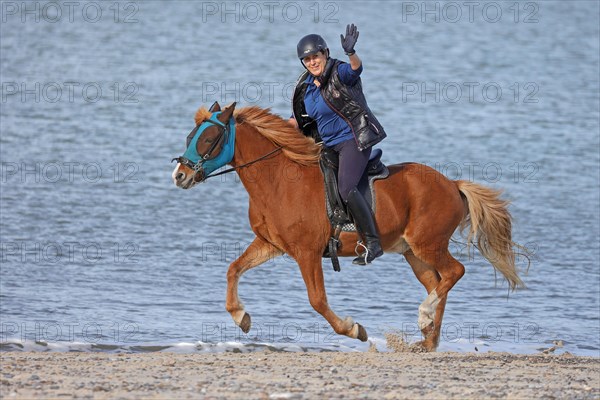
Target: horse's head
(209, 146)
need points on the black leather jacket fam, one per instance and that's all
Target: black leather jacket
(347, 101)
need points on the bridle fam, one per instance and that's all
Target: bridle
(213, 158)
(208, 155)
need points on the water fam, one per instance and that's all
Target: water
(101, 252)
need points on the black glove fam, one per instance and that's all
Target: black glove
(349, 41)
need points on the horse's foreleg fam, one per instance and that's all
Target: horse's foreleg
(257, 253)
(312, 273)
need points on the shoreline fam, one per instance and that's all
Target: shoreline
(276, 375)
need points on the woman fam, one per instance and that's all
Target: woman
(329, 105)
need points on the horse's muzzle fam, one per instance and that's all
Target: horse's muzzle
(185, 177)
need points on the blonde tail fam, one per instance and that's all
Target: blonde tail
(490, 228)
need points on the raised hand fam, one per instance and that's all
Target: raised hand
(349, 41)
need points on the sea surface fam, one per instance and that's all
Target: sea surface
(101, 252)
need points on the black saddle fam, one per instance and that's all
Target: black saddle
(339, 216)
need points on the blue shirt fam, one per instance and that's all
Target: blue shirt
(332, 128)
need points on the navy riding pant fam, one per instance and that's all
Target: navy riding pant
(352, 166)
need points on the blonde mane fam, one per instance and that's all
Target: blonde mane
(295, 145)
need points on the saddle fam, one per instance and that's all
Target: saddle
(337, 212)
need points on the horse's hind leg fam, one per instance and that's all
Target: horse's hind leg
(312, 273)
(429, 278)
(431, 311)
(257, 253)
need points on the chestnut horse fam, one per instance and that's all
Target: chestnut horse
(417, 212)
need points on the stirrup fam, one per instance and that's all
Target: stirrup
(362, 258)
(360, 243)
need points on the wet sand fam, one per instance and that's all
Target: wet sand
(274, 375)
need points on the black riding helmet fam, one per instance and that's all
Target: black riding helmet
(311, 44)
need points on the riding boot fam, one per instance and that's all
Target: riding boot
(365, 223)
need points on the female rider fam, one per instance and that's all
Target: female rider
(329, 105)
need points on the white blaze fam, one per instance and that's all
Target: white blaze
(175, 172)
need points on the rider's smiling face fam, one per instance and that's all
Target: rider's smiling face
(315, 63)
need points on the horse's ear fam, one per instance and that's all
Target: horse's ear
(227, 113)
(215, 107)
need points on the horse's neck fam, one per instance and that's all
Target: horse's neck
(275, 178)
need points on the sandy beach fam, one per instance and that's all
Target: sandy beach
(275, 375)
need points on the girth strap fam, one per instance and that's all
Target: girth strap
(334, 242)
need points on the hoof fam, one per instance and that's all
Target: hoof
(362, 333)
(422, 347)
(246, 323)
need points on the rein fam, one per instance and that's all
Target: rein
(228, 170)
